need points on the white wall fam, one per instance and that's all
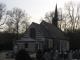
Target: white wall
(65, 45)
(50, 43)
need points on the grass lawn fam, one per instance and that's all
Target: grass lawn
(31, 53)
(3, 51)
(6, 51)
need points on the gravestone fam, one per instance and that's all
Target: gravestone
(64, 51)
(47, 56)
(60, 55)
(52, 54)
(15, 49)
(60, 52)
(56, 53)
(70, 55)
(73, 52)
(66, 56)
(76, 50)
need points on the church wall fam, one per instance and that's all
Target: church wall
(39, 36)
(31, 45)
(64, 44)
(50, 43)
(60, 45)
(67, 45)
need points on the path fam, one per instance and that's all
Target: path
(3, 56)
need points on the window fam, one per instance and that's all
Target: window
(33, 33)
(58, 45)
(61, 45)
(26, 45)
(65, 44)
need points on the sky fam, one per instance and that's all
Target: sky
(35, 8)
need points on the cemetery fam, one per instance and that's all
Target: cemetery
(57, 55)
(46, 41)
(71, 55)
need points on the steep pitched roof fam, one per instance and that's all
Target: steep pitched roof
(56, 14)
(42, 30)
(55, 31)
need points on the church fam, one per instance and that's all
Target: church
(44, 35)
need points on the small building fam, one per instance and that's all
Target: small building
(44, 35)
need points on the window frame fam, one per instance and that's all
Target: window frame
(33, 33)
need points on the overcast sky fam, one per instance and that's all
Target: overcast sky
(35, 8)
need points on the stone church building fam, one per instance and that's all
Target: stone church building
(44, 35)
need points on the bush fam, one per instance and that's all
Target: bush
(22, 55)
(8, 46)
(3, 51)
(45, 50)
(2, 47)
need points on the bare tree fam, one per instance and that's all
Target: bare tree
(69, 17)
(2, 10)
(72, 10)
(15, 20)
(2, 13)
(49, 16)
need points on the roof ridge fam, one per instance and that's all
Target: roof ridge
(50, 24)
(35, 23)
(53, 28)
(40, 27)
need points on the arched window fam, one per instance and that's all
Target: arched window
(33, 33)
(65, 44)
(61, 45)
(26, 45)
(58, 45)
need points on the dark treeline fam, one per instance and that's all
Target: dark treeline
(13, 23)
(74, 38)
(6, 40)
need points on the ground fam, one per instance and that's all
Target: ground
(3, 56)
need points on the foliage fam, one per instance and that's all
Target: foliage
(49, 16)
(74, 38)
(13, 21)
(6, 40)
(2, 10)
(6, 46)
(69, 16)
(3, 51)
(17, 20)
(22, 55)
(31, 53)
(72, 10)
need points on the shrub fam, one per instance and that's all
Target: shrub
(22, 55)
